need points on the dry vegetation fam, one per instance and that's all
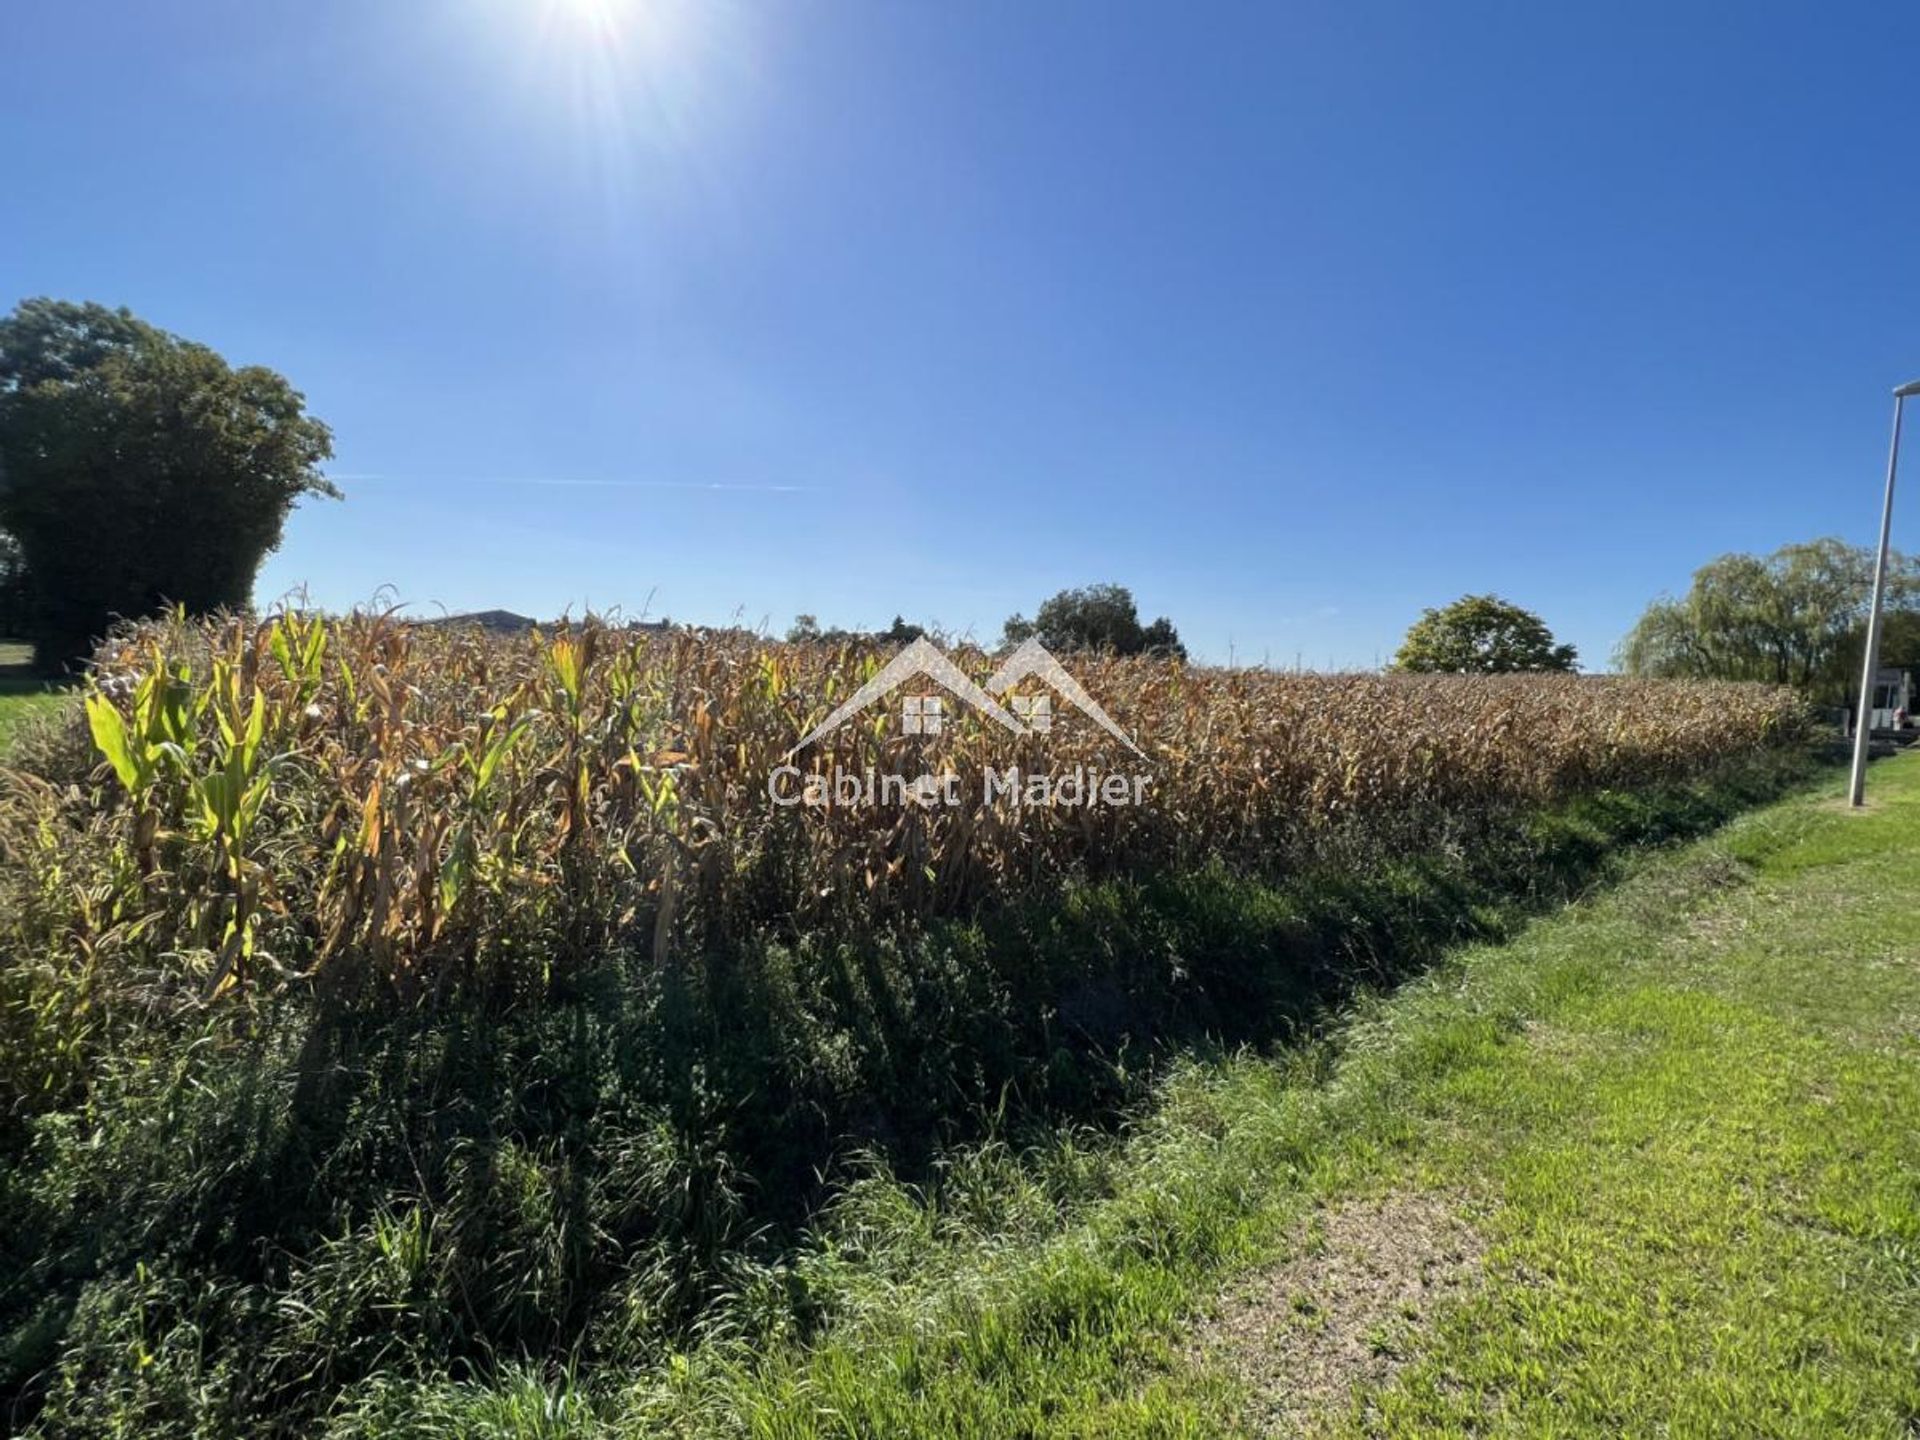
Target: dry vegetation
(296, 796)
(1343, 1312)
(383, 1002)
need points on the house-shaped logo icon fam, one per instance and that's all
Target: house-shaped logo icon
(1032, 659)
(918, 659)
(926, 714)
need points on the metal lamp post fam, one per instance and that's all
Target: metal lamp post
(1863, 727)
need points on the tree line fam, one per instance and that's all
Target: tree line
(1103, 618)
(139, 470)
(1795, 617)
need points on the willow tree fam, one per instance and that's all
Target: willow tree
(139, 470)
(1794, 617)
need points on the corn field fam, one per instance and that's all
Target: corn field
(381, 1002)
(277, 801)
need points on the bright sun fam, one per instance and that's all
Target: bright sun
(607, 19)
(627, 79)
(648, 32)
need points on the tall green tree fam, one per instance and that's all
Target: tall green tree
(1097, 617)
(139, 470)
(1795, 617)
(1481, 635)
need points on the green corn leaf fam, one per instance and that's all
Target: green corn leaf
(282, 650)
(256, 727)
(497, 752)
(110, 737)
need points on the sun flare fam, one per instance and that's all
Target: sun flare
(603, 20)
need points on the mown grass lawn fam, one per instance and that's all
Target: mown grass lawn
(21, 692)
(1699, 1155)
(1681, 1121)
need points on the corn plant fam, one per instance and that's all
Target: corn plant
(418, 803)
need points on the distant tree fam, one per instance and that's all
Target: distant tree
(806, 630)
(1481, 635)
(1098, 617)
(1160, 638)
(13, 587)
(1795, 617)
(140, 470)
(1899, 650)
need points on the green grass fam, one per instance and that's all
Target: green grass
(1705, 1208)
(21, 692)
(1684, 1115)
(16, 708)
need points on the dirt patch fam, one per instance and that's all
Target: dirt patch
(1674, 897)
(1843, 805)
(1719, 925)
(1346, 1311)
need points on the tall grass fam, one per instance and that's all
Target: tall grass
(381, 1001)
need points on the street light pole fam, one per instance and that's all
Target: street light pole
(1863, 726)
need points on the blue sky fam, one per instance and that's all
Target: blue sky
(1295, 318)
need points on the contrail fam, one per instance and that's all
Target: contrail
(583, 483)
